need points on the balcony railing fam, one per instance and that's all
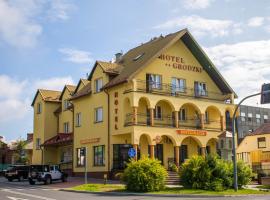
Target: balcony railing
(212, 125)
(172, 90)
(190, 123)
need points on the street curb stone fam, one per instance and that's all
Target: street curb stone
(158, 195)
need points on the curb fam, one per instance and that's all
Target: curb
(156, 195)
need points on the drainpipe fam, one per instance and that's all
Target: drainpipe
(109, 138)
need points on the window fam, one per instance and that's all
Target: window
(178, 85)
(98, 84)
(99, 155)
(250, 117)
(182, 114)
(66, 104)
(265, 118)
(243, 116)
(261, 142)
(39, 108)
(206, 117)
(154, 81)
(81, 153)
(157, 112)
(78, 119)
(66, 155)
(38, 143)
(98, 114)
(200, 89)
(66, 127)
(258, 118)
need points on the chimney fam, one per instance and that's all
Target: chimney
(118, 56)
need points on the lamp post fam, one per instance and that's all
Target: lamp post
(235, 181)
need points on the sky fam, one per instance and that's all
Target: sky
(50, 43)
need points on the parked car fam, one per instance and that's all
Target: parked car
(18, 172)
(46, 174)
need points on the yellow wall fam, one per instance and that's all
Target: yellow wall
(250, 143)
(65, 115)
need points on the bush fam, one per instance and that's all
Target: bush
(145, 175)
(244, 174)
(212, 173)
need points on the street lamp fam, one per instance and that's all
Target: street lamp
(265, 98)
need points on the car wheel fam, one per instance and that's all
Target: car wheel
(64, 179)
(10, 179)
(32, 182)
(20, 178)
(48, 180)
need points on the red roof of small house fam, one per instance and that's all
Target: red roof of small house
(60, 138)
(263, 129)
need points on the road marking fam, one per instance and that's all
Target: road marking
(15, 198)
(25, 194)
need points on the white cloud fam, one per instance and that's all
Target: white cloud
(59, 9)
(197, 4)
(256, 21)
(76, 56)
(19, 24)
(245, 65)
(16, 95)
(200, 26)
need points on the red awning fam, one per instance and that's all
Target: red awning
(59, 139)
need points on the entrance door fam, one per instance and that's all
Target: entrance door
(183, 153)
(159, 152)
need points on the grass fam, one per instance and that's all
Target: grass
(263, 186)
(177, 190)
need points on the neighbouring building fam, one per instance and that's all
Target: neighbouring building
(251, 118)
(164, 98)
(255, 148)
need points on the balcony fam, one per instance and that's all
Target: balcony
(171, 90)
(167, 121)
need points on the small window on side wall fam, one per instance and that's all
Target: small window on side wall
(81, 153)
(98, 85)
(99, 114)
(38, 143)
(261, 142)
(99, 155)
(39, 108)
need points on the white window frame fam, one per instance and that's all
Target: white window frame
(250, 117)
(98, 85)
(66, 104)
(178, 85)
(265, 118)
(78, 119)
(98, 114)
(155, 81)
(66, 127)
(201, 89)
(158, 115)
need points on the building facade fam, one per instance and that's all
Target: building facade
(250, 119)
(165, 99)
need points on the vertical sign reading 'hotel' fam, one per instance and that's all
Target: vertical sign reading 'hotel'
(116, 110)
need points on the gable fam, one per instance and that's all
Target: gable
(178, 62)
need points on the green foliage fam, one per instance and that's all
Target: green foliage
(145, 175)
(212, 173)
(244, 173)
(173, 167)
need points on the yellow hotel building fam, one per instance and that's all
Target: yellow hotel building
(164, 98)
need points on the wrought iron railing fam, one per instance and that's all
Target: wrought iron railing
(172, 90)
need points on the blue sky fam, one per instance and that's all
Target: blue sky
(48, 43)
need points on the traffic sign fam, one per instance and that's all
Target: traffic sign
(131, 152)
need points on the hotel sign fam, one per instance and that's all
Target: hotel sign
(177, 62)
(192, 132)
(90, 141)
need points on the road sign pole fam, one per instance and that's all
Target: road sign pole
(85, 168)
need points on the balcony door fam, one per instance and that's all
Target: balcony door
(200, 89)
(153, 81)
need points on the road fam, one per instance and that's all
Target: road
(24, 191)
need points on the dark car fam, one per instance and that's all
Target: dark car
(46, 174)
(18, 172)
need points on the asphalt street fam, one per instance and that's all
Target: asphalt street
(24, 191)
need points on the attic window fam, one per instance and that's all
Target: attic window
(138, 57)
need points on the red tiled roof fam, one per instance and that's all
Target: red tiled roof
(60, 138)
(263, 129)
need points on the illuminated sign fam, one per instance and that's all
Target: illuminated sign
(177, 62)
(191, 132)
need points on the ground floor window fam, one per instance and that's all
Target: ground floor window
(120, 155)
(81, 156)
(99, 155)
